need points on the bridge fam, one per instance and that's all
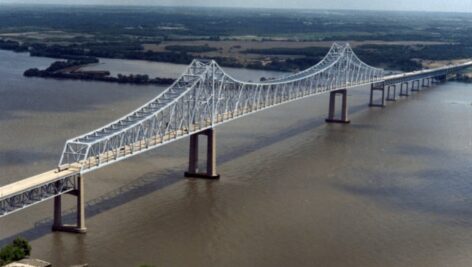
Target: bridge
(202, 98)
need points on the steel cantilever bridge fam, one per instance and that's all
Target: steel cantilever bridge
(203, 97)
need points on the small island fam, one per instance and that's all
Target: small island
(71, 69)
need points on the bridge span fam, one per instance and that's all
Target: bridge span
(203, 97)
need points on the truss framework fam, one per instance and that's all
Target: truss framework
(36, 195)
(203, 97)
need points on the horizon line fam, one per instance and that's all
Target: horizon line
(231, 7)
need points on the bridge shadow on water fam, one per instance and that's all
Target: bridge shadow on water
(150, 182)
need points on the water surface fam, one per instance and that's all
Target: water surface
(170, 70)
(393, 188)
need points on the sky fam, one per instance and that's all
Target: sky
(410, 5)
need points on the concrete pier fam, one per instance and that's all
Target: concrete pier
(193, 171)
(79, 227)
(404, 85)
(392, 92)
(332, 107)
(415, 86)
(426, 82)
(377, 87)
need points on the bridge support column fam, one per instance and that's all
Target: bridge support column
(377, 87)
(426, 82)
(79, 227)
(211, 156)
(415, 86)
(391, 97)
(404, 93)
(332, 107)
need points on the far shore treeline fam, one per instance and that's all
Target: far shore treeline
(395, 57)
(287, 40)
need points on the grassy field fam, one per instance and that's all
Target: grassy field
(237, 48)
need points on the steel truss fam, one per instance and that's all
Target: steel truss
(36, 195)
(203, 97)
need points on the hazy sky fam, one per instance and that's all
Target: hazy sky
(424, 5)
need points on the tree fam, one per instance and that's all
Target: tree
(19, 249)
(11, 253)
(23, 244)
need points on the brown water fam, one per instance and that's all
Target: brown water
(393, 188)
(163, 70)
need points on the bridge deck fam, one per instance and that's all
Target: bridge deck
(36, 181)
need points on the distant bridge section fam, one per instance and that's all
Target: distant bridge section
(203, 97)
(436, 73)
(412, 81)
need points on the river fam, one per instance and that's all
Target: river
(393, 188)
